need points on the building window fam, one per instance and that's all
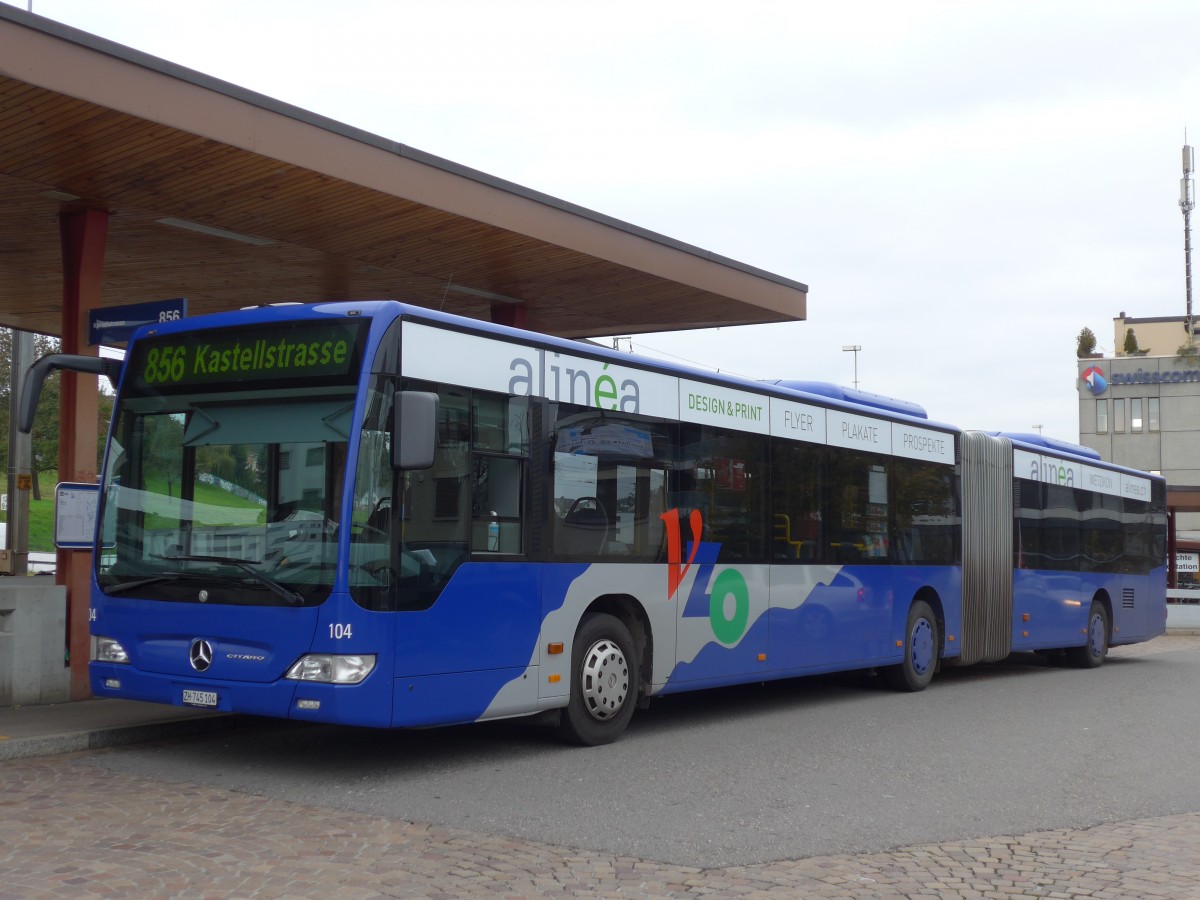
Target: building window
(1152, 414)
(1135, 414)
(1102, 416)
(1118, 414)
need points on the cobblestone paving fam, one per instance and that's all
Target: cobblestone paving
(68, 829)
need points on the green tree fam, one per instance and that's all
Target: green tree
(1085, 344)
(163, 436)
(219, 460)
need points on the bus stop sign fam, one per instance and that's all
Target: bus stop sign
(114, 324)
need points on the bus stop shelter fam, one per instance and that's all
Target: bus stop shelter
(126, 179)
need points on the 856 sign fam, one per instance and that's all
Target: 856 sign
(165, 365)
(116, 324)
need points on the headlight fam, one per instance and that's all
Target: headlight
(332, 669)
(107, 650)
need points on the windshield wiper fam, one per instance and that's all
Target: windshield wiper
(266, 580)
(146, 581)
(140, 582)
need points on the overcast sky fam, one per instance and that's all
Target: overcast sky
(962, 185)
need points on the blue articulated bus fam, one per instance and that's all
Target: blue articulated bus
(375, 514)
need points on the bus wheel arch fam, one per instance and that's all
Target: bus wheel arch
(610, 657)
(1097, 634)
(922, 644)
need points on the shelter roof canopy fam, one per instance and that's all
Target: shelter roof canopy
(231, 198)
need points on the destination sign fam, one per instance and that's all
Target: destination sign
(328, 350)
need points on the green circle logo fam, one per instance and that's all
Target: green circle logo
(729, 583)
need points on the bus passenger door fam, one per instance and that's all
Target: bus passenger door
(467, 611)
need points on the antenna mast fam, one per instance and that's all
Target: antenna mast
(1187, 202)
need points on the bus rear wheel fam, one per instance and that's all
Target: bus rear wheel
(604, 682)
(1093, 653)
(920, 651)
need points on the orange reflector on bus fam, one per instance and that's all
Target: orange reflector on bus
(899, 643)
(554, 649)
(1024, 617)
(950, 638)
(762, 657)
(554, 679)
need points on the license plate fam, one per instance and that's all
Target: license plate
(200, 698)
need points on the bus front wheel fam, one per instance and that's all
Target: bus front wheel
(920, 651)
(1092, 654)
(604, 682)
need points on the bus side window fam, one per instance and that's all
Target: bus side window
(500, 441)
(796, 485)
(729, 477)
(610, 484)
(858, 510)
(496, 504)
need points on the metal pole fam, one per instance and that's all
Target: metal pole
(853, 348)
(1187, 202)
(20, 455)
(1187, 267)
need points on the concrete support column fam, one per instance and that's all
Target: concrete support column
(83, 234)
(20, 456)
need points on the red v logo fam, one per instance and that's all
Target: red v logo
(676, 570)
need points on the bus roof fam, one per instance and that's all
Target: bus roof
(816, 392)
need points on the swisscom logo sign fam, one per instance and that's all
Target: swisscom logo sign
(1096, 382)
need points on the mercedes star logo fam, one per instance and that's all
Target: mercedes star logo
(201, 654)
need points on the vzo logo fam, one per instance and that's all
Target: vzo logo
(729, 585)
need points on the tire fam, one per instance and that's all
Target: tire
(921, 643)
(1092, 654)
(604, 682)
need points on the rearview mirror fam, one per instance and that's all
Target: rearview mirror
(414, 430)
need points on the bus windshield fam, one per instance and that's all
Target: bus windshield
(224, 499)
(224, 473)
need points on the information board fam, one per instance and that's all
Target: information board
(75, 515)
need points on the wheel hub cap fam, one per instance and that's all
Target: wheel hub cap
(605, 680)
(922, 647)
